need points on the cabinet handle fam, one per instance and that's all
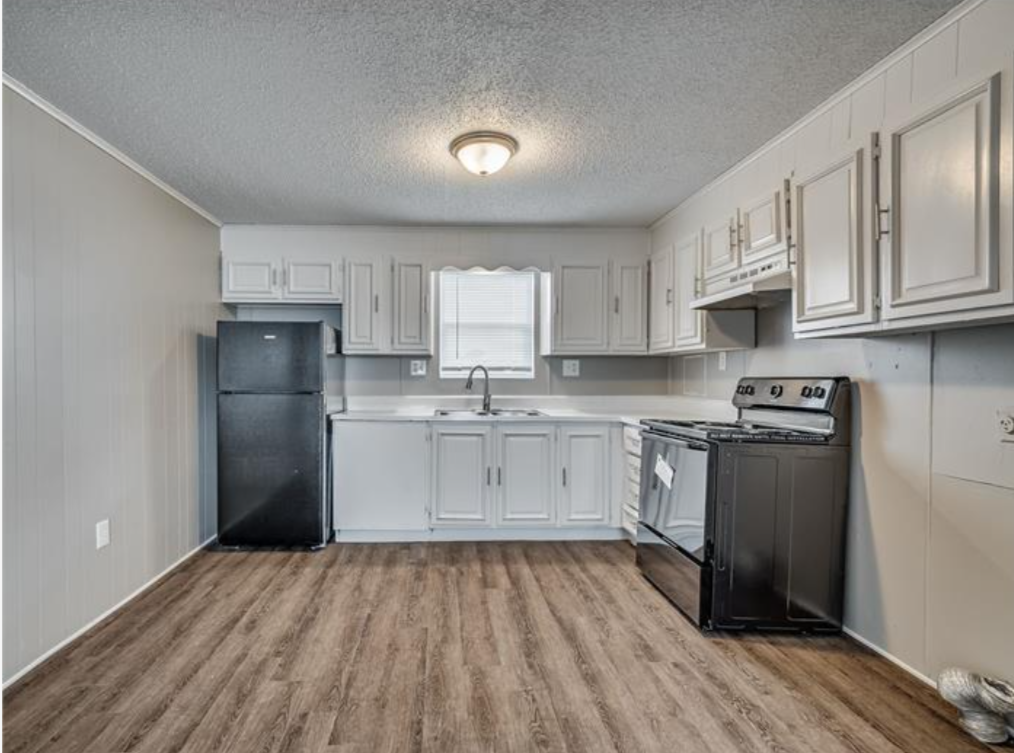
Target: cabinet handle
(499, 482)
(616, 305)
(285, 277)
(878, 212)
(376, 302)
(487, 475)
(564, 476)
(426, 304)
(668, 297)
(274, 277)
(557, 306)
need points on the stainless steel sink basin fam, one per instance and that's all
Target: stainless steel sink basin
(496, 412)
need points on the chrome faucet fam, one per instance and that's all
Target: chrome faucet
(486, 398)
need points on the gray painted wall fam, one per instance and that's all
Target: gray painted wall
(931, 525)
(110, 298)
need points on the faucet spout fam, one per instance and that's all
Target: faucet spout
(486, 397)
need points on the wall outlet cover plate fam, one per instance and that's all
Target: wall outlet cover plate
(571, 367)
(417, 368)
(102, 534)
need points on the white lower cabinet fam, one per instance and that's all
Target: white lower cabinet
(526, 460)
(462, 474)
(584, 475)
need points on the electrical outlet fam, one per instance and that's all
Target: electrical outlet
(417, 368)
(102, 534)
(721, 360)
(1005, 424)
(571, 367)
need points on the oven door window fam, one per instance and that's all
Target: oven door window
(676, 475)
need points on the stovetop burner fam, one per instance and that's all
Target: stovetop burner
(734, 431)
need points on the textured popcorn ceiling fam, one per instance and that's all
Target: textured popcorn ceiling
(314, 111)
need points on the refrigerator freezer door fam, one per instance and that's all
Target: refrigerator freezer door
(270, 357)
(272, 470)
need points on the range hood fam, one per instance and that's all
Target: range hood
(751, 293)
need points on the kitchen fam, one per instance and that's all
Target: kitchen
(779, 345)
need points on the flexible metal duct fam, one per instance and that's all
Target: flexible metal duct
(986, 704)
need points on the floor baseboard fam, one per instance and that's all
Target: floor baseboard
(890, 657)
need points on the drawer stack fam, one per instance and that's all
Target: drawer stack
(632, 479)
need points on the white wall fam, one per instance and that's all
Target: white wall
(931, 527)
(463, 247)
(110, 298)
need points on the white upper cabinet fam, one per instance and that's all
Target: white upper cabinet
(525, 475)
(316, 280)
(628, 330)
(762, 227)
(462, 475)
(661, 301)
(580, 308)
(689, 322)
(940, 183)
(412, 321)
(250, 280)
(361, 314)
(584, 475)
(835, 271)
(721, 247)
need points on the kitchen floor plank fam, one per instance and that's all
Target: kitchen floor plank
(534, 646)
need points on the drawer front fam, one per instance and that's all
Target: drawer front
(632, 494)
(632, 440)
(673, 573)
(633, 469)
(629, 521)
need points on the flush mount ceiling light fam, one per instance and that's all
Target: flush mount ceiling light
(483, 152)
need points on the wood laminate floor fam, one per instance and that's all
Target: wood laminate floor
(453, 647)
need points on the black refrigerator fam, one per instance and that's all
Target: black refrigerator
(273, 437)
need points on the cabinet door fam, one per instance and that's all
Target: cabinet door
(250, 280)
(689, 322)
(412, 325)
(835, 274)
(362, 310)
(721, 249)
(940, 178)
(584, 475)
(629, 330)
(580, 308)
(317, 280)
(524, 475)
(462, 475)
(761, 227)
(661, 301)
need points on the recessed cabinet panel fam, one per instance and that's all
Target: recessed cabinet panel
(250, 280)
(689, 322)
(941, 184)
(313, 280)
(761, 227)
(584, 475)
(463, 475)
(411, 306)
(361, 315)
(661, 299)
(629, 313)
(721, 251)
(580, 308)
(833, 258)
(524, 475)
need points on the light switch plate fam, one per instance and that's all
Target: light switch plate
(417, 368)
(571, 367)
(102, 534)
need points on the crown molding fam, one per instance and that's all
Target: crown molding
(952, 16)
(16, 86)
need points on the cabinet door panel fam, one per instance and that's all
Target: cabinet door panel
(834, 269)
(629, 331)
(721, 252)
(361, 312)
(313, 280)
(525, 474)
(584, 475)
(661, 301)
(411, 306)
(581, 324)
(462, 477)
(249, 280)
(689, 322)
(943, 190)
(761, 227)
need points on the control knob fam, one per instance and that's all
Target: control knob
(807, 391)
(777, 390)
(819, 392)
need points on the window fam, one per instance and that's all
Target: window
(487, 318)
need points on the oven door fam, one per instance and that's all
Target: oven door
(676, 492)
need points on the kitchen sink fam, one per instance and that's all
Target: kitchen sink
(496, 412)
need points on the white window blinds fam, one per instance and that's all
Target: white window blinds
(487, 318)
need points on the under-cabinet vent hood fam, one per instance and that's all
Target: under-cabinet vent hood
(750, 289)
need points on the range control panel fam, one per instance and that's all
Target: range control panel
(798, 393)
